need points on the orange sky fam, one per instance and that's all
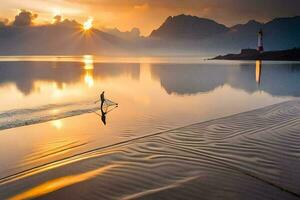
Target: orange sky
(149, 14)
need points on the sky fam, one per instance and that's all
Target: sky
(149, 14)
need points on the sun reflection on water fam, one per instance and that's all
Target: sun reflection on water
(258, 65)
(88, 79)
(57, 124)
(89, 69)
(88, 61)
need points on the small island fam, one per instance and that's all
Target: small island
(260, 54)
(253, 54)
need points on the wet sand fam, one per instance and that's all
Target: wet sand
(252, 155)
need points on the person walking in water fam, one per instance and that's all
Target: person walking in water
(104, 109)
(103, 116)
(102, 99)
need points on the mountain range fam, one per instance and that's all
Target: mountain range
(279, 33)
(178, 34)
(66, 37)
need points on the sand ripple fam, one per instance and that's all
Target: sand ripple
(252, 155)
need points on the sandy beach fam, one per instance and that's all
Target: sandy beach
(252, 155)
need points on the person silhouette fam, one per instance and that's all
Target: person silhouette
(102, 99)
(103, 116)
(104, 109)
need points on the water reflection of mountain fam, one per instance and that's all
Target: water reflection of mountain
(275, 79)
(183, 79)
(189, 79)
(24, 74)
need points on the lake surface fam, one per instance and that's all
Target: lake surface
(154, 95)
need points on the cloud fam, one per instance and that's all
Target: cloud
(149, 14)
(69, 23)
(3, 22)
(57, 19)
(24, 18)
(142, 7)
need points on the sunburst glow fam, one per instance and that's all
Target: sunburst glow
(56, 12)
(88, 24)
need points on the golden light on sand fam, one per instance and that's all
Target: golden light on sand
(57, 124)
(88, 24)
(61, 182)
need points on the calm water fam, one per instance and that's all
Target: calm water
(154, 95)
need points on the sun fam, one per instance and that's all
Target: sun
(56, 12)
(88, 24)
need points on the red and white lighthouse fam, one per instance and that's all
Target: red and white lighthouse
(260, 46)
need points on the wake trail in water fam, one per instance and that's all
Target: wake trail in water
(23, 117)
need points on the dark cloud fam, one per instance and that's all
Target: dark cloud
(24, 18)
(57, 19)
(69, 23)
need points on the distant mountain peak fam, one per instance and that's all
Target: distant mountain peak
(188, 27)
(251, 27)
(190, 18)
(253, 22)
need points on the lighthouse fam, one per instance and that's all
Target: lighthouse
(260, 46)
